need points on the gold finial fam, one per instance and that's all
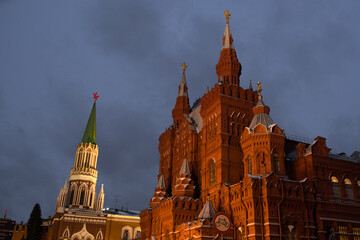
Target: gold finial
(184, 67)
(259, 88)
(227, 15)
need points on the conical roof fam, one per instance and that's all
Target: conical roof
(227, 39)
(183, 87)
(208, 211)
(261, 112)
(161, 182)
(90, 131)
(185, 168)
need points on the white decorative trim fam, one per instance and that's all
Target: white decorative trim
(83, 234)
(82, 178)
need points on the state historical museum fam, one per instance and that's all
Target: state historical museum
(226, 154)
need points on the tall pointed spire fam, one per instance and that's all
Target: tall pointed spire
(90, 131)
(228, 68)
(182, 86)
(250, 86)
(182, 101)
(227, 38)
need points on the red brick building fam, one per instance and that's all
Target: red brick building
(226, 154)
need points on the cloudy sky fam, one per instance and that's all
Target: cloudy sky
(55, 54)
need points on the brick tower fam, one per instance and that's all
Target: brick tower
(226, 154)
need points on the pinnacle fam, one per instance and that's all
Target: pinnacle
(208, 211)
(161, 182)
(185, 168)
(227, 39)
(183, 87)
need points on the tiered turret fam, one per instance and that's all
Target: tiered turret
(263, 142)
(160, 192)
(184, 185)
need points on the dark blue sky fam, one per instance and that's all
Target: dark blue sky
(55, 54)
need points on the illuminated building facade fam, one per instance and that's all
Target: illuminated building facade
(226, 154)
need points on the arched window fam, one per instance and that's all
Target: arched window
(72, 196)
(87, 163)
(249, 165)
(91, 194)
(349, 190)
(82, 195)
(137, 232)
(212, 174)
(276, 163)
(336, 189)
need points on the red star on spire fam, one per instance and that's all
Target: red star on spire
(96, 96)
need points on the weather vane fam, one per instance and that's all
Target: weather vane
(259, 88)
(227, 15)
(184, 67)
(96, 96)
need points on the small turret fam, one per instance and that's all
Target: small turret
(100, 199)
(160, 192)
(184, 185)
(61, 199)
(263, 142)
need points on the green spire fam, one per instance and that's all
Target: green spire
(90, 131)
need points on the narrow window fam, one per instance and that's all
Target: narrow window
(125, 235)
(349, 190)
(138, 234)
(276, 163)
(250, 165)
(82, 195)
(90, 199)
(71, 196)
(336, 189)
(212, 174)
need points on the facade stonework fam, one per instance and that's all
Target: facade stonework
(240, 162)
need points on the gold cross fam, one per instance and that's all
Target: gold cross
(227, 15)
(183, 66)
